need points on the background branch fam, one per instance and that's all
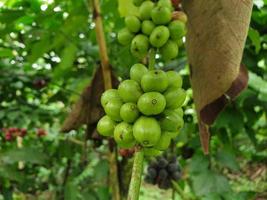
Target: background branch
(107, 78)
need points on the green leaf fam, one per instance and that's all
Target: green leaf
(71, 26)
(263, 94)
(227, 158)
(68, 149)
(35, 5)
(89, 195)
(258, 84)
(2, 114)
(31, 155)
(39, 48)
(203, 183)
(184, 134)
(221, 184)
(252, 136)
(7, 16)
(103, 193)
(230, 118)
(71, 191)
(6, 53)
(255, 39)
(101, 170)
(198, 163)
(212, 196)
(10, 173)
(7, 193)
(245, 95)
(237, 196)
(13, 115)
(25, 20)
(208, 182)
(68, 56)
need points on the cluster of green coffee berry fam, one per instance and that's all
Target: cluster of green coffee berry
(153, 27)
(145, 110)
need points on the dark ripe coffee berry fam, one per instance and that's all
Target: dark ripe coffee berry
(158, 158)
(163, 174)
(162, 163)
(172, 167)
(187, 152)
(167, 169)
(152, 172)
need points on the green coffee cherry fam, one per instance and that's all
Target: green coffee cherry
(137, 71)
(147, 27)
(129, 112)
(159, 36)
(132, 23)
(139, 46)
(169, 51)
(177, 29)
(125, 36)
(145, 10)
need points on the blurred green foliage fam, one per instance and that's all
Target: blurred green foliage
(48, 54)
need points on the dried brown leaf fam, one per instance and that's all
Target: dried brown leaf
(216, 36)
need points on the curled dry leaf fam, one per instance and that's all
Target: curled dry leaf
(216, 36)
